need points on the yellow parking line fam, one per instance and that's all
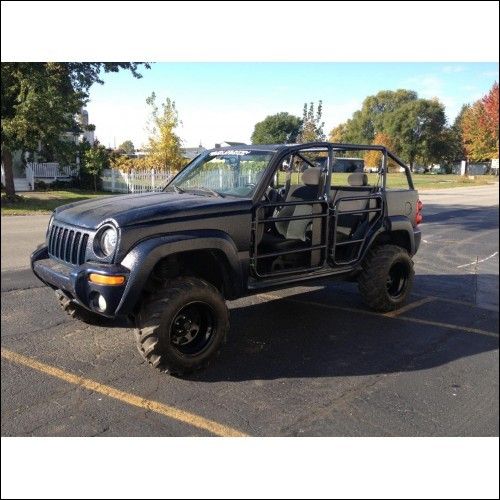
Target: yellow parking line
(372, 313)
(131, 399)
(409, 307)
(455, 301)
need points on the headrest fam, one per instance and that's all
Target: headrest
(311, 176)
(358, 179)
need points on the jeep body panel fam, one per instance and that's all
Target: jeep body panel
(154, 227)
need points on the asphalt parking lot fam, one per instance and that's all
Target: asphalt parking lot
(310, 360)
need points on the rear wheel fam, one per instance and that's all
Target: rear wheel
(182, 327)
(387, 278)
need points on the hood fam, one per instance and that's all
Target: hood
(131, 209)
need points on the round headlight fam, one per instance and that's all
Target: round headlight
(108, 241)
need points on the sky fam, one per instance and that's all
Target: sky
(220, 102)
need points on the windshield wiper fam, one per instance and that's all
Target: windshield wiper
(177, 189)
(208, 190)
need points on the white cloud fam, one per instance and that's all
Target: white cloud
(492, 74)
(453, 68)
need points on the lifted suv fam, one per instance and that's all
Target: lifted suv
(231, 223)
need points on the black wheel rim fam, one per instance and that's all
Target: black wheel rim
(397, 280)
(193, 329)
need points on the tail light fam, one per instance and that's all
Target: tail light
(419, 217)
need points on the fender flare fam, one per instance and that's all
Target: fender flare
(403, 223)
(391, 224)
(142, 258)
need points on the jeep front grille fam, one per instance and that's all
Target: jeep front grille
(67, 244)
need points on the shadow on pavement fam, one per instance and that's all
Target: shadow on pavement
(467, 218)
(283, 339)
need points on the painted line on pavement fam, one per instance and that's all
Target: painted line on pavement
(409, 307)
(372, 313)
(125, 397)
(478, 261)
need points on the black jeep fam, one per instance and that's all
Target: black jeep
(233, 222)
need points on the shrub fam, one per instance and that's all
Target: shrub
(40, 185)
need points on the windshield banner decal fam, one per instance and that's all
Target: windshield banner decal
(238, 152)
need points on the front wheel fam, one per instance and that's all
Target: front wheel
(387, 278)
(182, 327)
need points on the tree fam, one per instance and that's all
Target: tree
(374, 115)
(312, 126)
(416, 127)
(127, 147)
(478, 142)
(94, 161)
(164, 146)
(374, 158)
(337, 134)
(40, 102)
(281, 128)
(490, 116)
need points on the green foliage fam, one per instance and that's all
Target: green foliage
(373, 115)
(39, 105)
(94, 161)
(312, 126)
(417, 127)
(281, 128)
(127, 147)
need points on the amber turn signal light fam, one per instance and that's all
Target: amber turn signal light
(101, 279)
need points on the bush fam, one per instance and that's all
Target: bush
(59, 185)
(40, 186)
(85, 181)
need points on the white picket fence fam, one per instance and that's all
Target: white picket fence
(45, 171)
(51, 170)
(145, 181)
(222, 179)
(135, 181)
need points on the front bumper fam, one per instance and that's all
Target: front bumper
(74, 281)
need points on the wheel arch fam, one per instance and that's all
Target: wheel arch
(398, 230)
(187, 247)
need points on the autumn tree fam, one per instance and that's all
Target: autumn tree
(490, 116)
(373, 159)
(312, 126)
(281, 128)
(164, 145)
(478, 142)
(337, 134)
(40, 102)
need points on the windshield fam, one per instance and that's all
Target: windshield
(223, 173)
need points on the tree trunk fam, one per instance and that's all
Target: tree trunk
(95, 183)
(10, 190)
